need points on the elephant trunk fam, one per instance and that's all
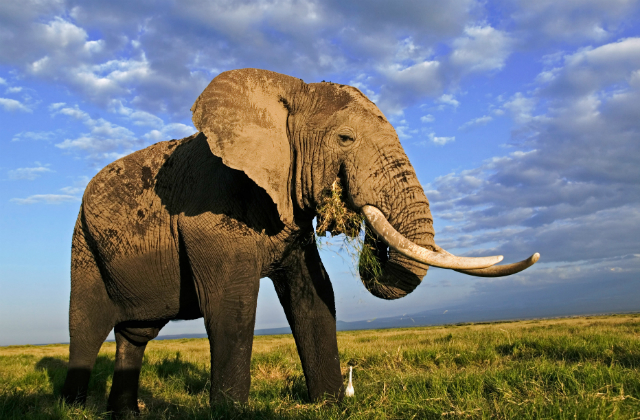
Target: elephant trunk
(392, 264)
(386, 272)
(399, 248)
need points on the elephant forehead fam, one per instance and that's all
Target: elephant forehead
(331, 98)
(354, 101)
(367, 109)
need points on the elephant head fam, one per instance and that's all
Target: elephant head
(293, 139)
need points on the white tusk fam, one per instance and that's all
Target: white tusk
(503, 270)
(395, 240)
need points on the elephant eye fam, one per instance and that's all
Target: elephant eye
(346, 137)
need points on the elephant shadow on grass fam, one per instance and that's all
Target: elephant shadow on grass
(56, 370)
(293, 388)
(35, 401)
(192, 378)
(183, 376)
(620, 354)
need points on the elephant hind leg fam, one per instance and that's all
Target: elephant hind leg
(131, 341)
(91, 318)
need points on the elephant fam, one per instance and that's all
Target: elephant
(185, 229)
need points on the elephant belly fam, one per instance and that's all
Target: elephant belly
(146, 285)
(141, 274)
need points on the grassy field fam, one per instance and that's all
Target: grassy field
(584, 368)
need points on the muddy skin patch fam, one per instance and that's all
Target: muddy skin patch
(147, 178)
(116, 169)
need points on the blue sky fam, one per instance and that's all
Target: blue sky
(521, 118)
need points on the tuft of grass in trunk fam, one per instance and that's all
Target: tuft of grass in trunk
(337, 219)
(334, 216)
(583, 367)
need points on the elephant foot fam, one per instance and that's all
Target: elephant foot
(328, 398)
(74, 391)
(78, 398)
(122, 406)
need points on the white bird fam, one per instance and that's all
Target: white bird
(349, 391)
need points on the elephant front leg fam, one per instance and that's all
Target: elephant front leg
(306, 295)
(230, 326)
(226, 272)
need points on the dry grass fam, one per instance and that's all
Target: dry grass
(334, 216)
(337, 219)
(584, 367)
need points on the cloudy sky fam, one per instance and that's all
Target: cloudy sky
(522, 119)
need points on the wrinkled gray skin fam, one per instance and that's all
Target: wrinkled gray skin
(186, 228)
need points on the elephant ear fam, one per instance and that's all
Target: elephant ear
(243, 114)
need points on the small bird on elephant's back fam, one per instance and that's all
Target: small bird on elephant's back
(186, 228)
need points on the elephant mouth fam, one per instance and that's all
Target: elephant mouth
(474, 266)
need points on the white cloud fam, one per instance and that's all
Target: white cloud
(440, 141)
(447, 99)
(404, 84)
(483, 48)
(28, 173)
(71, 193)
(547, 21)
(13, 105)
(46, 199)
(403, 130)
(56, 106)
(158, 59)
(423, 74)
(138, 117)
(63, 54)
(521, 108)
(105, 140)
(15, 89)
(72, 190)
(162, 132)
(78, 186)
(59, 33)
(58, 50)
(589, 69)
(571, 190)
(160, 65)
(170, 131)
(74, 112)
(34, 135)
(485, 119)
(362, 83)
(427, 118)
